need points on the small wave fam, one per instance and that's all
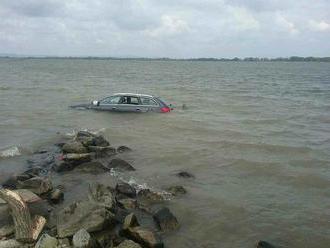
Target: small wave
(10, 152)
(5, 88)
(74, 131)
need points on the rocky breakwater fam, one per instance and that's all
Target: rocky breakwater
(33, 213)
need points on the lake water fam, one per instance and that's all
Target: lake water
(255, 135)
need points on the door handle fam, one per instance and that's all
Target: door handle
(114, 108)
(138, 109)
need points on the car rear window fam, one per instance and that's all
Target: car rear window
(148, 101)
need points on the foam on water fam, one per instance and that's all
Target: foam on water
(10, 152)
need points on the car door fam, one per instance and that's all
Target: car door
(129, 104)
(109, 103)
(148, 104)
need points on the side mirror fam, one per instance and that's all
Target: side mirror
(95, 103)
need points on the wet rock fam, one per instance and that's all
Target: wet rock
(64, 243)
(46, 241)
(12, 243)
(122, 149)
(6, 222)
(148, 196)
(102, 195)
(165, 219)
(82, 239)
(130, 221)
(177, 190)
(185, 174)
(27, 195)
(127, 203)
(38, 185)
(121, 165)
(56, 196)
(12, 182)
(6, 230)
(41, 208)
(89, 139)
(101, 151)
(264, 244)
(93, 167)
(76, 159)
(86, 214)
(128, 244)
(126, 189)
(145, 237)
(74, 147)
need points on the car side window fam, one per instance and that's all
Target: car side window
(110, 100)
(148, 101)
(129, 100)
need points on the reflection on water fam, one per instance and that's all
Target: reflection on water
(255, 135)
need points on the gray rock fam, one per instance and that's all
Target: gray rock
(89, 139)
(185, 174)
(102, 195)
(56, 196)
(12, 243)
(121, 165)
(264, 244)
(86, 214)
(61, 166)
(148, 196)
(127, 203)
(46, 241)
(165, 219)
(74, 147)
(93, 167)
(64, 243)
(177, 190)
(130, 221)
(128, 244)
(101, 151)
(82, 239)
(38, 185)
(76, 159)
(122, 149)
(145, 237)
(125, 189)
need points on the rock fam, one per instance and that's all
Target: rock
(102, 195)
(146, 195)
(6, 230)
(145, 237)
(86, 214)
(89, 139)
(165, 219)
(74, 147)
(128, 244)
(64, 243)
(177, 190)
(130, 221)
(264, 244)
(127, 203)
(122, 149)
(6, 221)
(101, 151)
(12, 182)
(82, 239)
(28, 196)
(46, 241)
(185, 174)
(61, 166)
(38, 185)
(126, 189)
(93, 167)
(120, 164)
(76, 159)
(12, 243)
(56, 196)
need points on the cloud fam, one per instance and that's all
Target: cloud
(321, 26)
(186, 28)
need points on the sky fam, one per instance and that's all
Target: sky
(165, 28)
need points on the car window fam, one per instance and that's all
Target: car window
(148, 101)
(129, 100)
(110, 100)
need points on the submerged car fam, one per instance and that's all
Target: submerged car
(129, 102)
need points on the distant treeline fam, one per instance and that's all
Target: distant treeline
(247, 59)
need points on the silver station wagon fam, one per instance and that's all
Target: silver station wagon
(129, 102)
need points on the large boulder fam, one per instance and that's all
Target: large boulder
(125, 189)
(128, 244)
(38, 185)
(85, 214)
(74, 147)
(102, 195)
(46, 241)
(89, 139)
(165, 219)
(121, 165)
(93, 167)
(82, 239)
(145, 237)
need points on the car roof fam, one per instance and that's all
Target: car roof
(132, 94)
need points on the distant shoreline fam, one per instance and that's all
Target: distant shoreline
(235, 59)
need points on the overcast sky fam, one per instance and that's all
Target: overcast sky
(165, 28)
